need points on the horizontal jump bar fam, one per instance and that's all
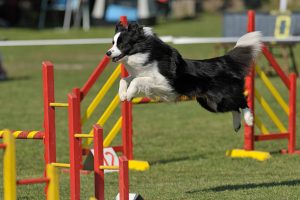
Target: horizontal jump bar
(32, 181)
(64, 165)
(109, 167)
(273, 136)
(2, 146)
(84, 135)
(145, 100)
(26, 134)
(56, 104)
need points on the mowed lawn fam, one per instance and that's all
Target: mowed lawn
(184, 144)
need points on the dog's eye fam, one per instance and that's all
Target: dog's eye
(113, 42)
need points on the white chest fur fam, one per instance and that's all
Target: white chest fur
(147, 79)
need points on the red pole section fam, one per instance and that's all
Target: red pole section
(32, 181)
(126, 113)
(49, 112)
(98, 161)
(292, 113)
(123, 20)
(2, 146)
(249, 130)
(124, 179)
(94, 76)
(49, 115)
(276, 66)
(75, 151)
(77, 93)
(126, 123)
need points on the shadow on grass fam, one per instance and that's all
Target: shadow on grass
(18, 78)
(247, 186)
(165, 161)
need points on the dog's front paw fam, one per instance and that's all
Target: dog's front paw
(129, 97)
(132, 91)
(123, 96)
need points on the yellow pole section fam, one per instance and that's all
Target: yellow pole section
(269, 111)
(55, 104)
(84, 135)
(101, 94)
(109, 110)
(136, 100)
(31, 134)
(272, 89)
(109, 167)
(260, 125)
(17, 133)
(65, 165)
(9, 167)
(53, 187)
(107, 113)
(113, 133)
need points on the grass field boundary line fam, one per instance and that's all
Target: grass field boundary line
(169, 39)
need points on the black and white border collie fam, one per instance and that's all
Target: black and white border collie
(158, 70)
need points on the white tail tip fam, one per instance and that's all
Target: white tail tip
(252, 39)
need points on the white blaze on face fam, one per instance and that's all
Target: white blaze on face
(115, 51)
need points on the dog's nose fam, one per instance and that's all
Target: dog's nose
(108, 53)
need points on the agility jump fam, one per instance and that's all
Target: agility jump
(9, 172)
(79, 142)
(289, 108)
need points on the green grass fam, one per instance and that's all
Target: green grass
(184, 143)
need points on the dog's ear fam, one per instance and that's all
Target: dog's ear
(120, 27)
(135, 27)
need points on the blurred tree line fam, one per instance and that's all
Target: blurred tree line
(25, 13)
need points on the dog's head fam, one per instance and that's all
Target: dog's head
(128, 40)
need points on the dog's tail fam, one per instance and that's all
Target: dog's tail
(245, 51)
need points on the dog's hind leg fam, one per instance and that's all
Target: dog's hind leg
(236, 119)
(210, 106)
(248, 116)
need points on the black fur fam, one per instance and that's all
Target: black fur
(217, 83)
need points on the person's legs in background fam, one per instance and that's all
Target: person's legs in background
(3, 74)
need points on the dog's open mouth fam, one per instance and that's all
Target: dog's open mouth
(117, 58)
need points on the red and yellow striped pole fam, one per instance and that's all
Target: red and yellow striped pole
(25, 134)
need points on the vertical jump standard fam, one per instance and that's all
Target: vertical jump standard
(288, 108)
